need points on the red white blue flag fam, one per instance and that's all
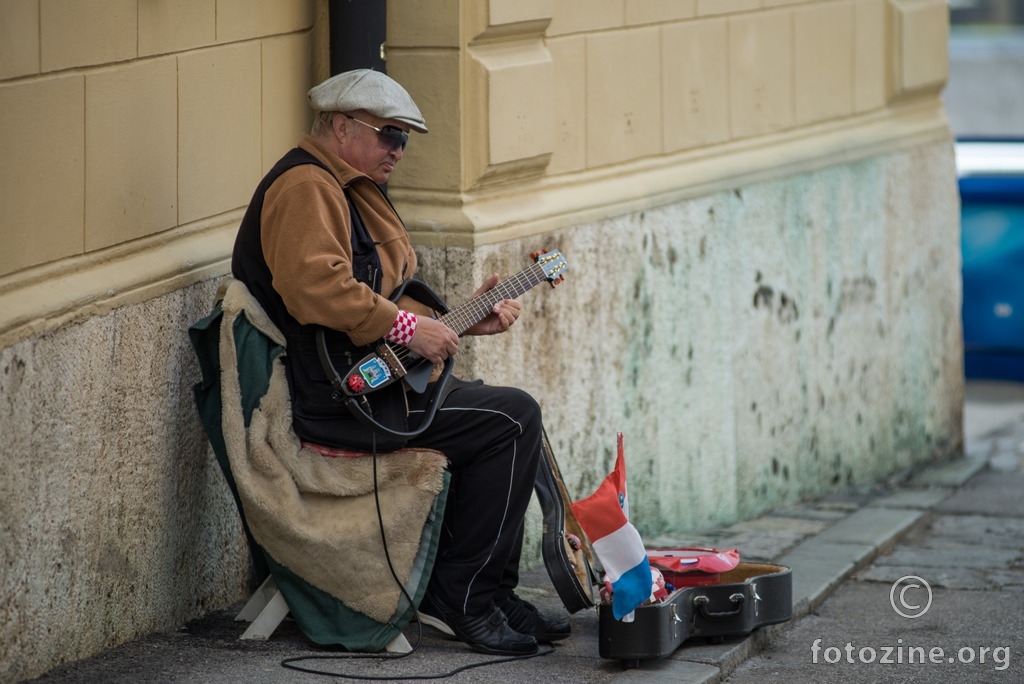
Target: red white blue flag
(604, 516)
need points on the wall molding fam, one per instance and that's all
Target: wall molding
(40, 299)
(509, 212)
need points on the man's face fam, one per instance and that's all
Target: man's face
(370, 151)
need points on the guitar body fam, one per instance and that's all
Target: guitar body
(565, 549)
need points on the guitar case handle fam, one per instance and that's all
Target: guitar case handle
(701, 602)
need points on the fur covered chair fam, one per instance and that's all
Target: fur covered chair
(310, 513)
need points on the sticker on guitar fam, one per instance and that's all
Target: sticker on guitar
(391, 362)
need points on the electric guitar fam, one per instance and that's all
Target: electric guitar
(390, 362)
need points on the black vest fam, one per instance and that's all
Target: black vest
(317, 413)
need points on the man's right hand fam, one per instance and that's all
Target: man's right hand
(433, 340)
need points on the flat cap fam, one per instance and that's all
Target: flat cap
(371, 91)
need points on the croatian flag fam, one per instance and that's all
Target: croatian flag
(604, 516)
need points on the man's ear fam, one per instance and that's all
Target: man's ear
(339, 124)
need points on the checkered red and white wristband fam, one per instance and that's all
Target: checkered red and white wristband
(401, 332)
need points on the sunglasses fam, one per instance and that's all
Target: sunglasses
(392, 136)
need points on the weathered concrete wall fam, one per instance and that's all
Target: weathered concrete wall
(755, 346)
(114, 517)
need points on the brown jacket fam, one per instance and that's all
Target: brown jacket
(305, 234)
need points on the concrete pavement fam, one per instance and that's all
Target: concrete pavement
(956, 526)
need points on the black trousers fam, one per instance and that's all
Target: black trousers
(492, 438)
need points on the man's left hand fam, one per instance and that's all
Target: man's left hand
(502, 315)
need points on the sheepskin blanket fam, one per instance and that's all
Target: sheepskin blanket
(317, 515)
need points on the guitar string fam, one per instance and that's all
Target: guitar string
(459, 319)
(508, 289)
(479, 306)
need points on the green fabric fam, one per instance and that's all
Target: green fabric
(205, 338)
(322, 618)
(319, 615)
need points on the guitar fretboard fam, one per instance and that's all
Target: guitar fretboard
(464, 317)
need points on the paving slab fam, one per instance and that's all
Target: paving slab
(951, 474)
(921, 499)
(1004, 496)
(811, 511)
(766, 538)
(950, 556)
(725, 656)
(960, 578)
(872, 526)
(972, 530)
(819, 567)
(671, 672)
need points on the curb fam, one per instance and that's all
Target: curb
(821, 563)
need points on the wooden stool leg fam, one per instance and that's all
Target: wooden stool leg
(398, 645)
(265, 610)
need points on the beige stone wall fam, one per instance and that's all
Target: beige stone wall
(545, 105)
(139, 130)
(756, 197)
(133, 133)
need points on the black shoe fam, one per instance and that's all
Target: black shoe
(486, 632)
(526, 619)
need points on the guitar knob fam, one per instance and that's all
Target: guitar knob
(356, 383)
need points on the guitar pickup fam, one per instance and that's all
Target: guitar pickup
(387, 354)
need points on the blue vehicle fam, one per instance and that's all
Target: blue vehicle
(991, 179)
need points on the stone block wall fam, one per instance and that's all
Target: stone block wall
(133, 134)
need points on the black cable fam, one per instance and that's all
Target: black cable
(288, 662)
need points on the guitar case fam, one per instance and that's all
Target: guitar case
(749, 596)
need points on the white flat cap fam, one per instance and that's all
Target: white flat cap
(371, 91)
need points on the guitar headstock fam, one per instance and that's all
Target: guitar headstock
(553, 264)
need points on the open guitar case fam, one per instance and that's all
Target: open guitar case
(749, 596)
